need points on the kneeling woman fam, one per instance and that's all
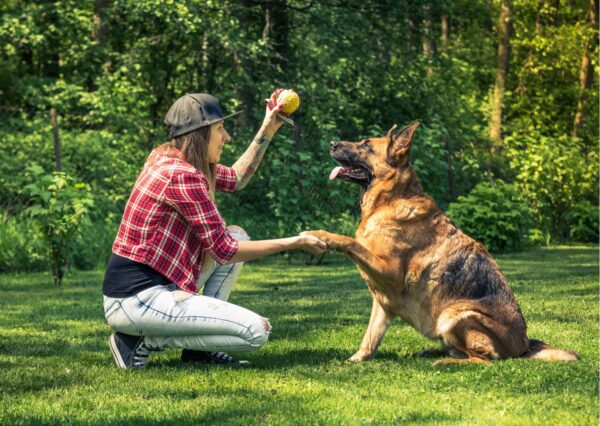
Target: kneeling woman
(172, 241)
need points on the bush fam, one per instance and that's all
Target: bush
(583, 222)
(495, 214)
(556, 174)
(92, 244)
(21, 247)
(60, 205)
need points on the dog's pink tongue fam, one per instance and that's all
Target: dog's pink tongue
(335, 172)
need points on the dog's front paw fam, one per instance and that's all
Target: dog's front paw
(332, 240)
(360, 357)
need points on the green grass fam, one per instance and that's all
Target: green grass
(55, 365)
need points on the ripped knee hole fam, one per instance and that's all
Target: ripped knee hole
(266, 325)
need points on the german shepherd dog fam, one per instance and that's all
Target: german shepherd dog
(419, 266)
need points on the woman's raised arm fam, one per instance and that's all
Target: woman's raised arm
(247, 164)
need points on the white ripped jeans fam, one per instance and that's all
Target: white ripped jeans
(171, 318)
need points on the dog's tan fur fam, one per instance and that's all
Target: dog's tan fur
(419, 266)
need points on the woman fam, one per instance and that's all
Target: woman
(172, 240)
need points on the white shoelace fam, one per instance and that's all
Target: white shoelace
(141, 356)
(222, 356)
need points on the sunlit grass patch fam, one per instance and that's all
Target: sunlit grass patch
(55, 366)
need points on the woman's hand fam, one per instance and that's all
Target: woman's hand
(272, 122)
(311, 244)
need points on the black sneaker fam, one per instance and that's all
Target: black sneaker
(202, 357)
(128, 351)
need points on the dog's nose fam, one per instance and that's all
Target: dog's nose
(334, 145)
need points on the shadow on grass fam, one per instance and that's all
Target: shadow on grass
(38, 380)
(336, 359)
(267, 408)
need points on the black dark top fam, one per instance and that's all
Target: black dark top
(125, 277)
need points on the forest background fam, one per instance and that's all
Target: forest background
(506, 93)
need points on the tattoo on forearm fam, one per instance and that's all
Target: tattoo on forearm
(246, 165)
(261, 140)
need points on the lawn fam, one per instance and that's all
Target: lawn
(55, 366)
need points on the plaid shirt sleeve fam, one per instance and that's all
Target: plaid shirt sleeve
(188, 194)
(225, 179)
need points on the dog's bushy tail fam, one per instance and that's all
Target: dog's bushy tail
(541, 351)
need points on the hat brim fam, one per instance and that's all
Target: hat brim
(220, 119)
(235, 113)
(188, 130)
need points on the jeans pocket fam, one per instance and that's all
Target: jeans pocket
(110, 307)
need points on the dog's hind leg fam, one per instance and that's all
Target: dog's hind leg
(378, 325)
(467, 345)
(473, 330)
(468, 338)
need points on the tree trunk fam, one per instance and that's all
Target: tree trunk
(99, 30)
(586, 71)
(203, 74)
(266, 31)
(57, 154)
(242, 67)
(50, 57)
(426, 38)
(267, 27)
(275, 31)
(444, 38)
(504, 30)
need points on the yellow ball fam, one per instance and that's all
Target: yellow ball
(290, 101)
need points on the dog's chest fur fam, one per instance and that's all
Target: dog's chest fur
(403, 245)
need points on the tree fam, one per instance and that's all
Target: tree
(504, 31)
(586, 69)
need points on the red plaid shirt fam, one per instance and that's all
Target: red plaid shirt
(170, 222)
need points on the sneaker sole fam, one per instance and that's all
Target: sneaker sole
(115, 352)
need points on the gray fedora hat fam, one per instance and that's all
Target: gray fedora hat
(192, 111)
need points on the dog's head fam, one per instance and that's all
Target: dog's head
(373, 158)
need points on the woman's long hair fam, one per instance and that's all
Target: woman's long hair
(194, 147)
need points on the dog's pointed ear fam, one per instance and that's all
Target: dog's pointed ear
(390, 134)
(400, 143)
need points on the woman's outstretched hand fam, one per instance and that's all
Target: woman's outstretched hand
(250, 250)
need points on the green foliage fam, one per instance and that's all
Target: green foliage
(295, 195)
(109, 160)
(112, 69)
(20, 244)
(429, 158)
(554, 174)
(495, 214)
(60, 205)
(91, 245)
(583, 221)
(547, 47)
